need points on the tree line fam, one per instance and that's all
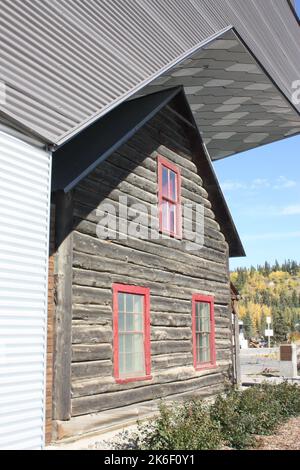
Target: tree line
(270, 290)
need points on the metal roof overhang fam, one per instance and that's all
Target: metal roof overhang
(236, 105)
(64, 64)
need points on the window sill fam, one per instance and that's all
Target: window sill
(207, 366)
(171, 235)
(133, 379)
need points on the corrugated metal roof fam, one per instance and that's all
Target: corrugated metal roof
(67, 62)
(235, 104)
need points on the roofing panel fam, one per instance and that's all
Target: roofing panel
(67, 62)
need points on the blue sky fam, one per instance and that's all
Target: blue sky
(262, 189)
(298, 7)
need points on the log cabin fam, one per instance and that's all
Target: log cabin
(139, 318)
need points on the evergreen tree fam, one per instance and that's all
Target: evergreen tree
(248, 326)
(280, 327)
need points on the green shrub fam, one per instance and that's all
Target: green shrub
(256, 410)
(264, 413)
(288, 397)
(234, 425)
(185, 426)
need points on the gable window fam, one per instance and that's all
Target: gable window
(169, 198)
(131, 327)
(203, 326)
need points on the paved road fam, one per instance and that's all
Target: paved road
(255, 361)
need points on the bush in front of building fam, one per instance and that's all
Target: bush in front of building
(184, 426)
(233, 420)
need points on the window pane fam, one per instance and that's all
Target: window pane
(205, 316)
(131, 359)
(129, 302)
(121, 302)
(204, 355)
(204, 340)
(172, 216)
(138, 322)
(130, 322)
(138, 303)
(121, 321)
(121, 353)
(165, 216)
(173, 181)
(165, 185)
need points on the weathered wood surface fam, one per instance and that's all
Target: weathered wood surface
(171, 272)
(63, 313)
(88, 386)
(110, 400)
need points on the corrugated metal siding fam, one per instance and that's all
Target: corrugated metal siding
(66, 61)
(24, 219)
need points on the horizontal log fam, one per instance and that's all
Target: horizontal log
(223, 354)
(141, 239)
(143, 179)
(153, 257)
(170, 333)
(101, 188)
(223, 343)
(164, 347)
(91, 352)
(87, 334)
(171, 360)
(99, 385)
(85, 210)
(92, 369)
(149, 143)
(89, 278)
(94, 314)
(142, 275)
(168, 319)
(138, 275)
(91, 295)
(129, 159)
(108, 401)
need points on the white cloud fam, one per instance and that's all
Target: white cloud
(283, 182)
(291, 210)
(259, 183)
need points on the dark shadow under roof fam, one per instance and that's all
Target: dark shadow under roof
(80, 156)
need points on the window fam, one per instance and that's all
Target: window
(203, 325)
(131, 326)
(169, 198)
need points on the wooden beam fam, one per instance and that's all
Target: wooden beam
(63, 317)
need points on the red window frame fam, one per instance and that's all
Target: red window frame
(210, 300)
(145, 292)
(162, 162)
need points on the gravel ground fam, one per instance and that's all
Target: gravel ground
(117, 441)
(286, 438)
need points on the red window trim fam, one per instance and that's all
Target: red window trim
(161, 161)
(206, 299)
(127, 289)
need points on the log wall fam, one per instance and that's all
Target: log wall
(172, 274)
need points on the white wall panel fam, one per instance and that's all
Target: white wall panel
(25, 173)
